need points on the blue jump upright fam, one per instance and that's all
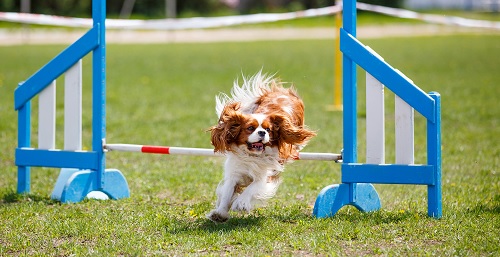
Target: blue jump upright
(356, 188)
(82, 171)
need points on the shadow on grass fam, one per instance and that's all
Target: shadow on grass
(293, 215)
(491, 205)
(352, 215)
(181, 226)
(234, 223)
(260, 217)
(11, 197)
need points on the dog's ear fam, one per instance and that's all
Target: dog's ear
(288, 136)
(283, 129)
(227, 131)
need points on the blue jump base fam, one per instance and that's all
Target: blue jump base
(84, 172)
(73, 185)
(363, 196)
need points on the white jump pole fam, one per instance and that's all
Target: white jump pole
(205, 151)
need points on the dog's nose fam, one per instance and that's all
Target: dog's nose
(262, 133)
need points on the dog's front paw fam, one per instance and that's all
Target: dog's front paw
(218, 217)
(241, 205)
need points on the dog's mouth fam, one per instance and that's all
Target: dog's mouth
(256, 147)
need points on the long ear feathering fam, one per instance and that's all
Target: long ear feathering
(227, 130)
(246, 94)
(290, 138)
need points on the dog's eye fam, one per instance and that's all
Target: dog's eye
(251, 128)
(268, 129)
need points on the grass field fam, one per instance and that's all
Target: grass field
(164, 94)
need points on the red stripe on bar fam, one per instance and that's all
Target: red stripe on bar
(155, 149)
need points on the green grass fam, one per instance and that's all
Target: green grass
(164, 94)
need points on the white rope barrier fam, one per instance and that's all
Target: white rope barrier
(168, 24)
(224, 21)
(431, 18)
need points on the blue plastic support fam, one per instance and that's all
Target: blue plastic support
(355, 188)
(56, 158)
(23, 140)
(74, 185)
(387, 75)
(349, 99)
(334, 197)
(363, 196)
(388, 174)
(53, 69)
(82, 172)
(349, 88)
(434, 198)
(99, 90)
(22, 103)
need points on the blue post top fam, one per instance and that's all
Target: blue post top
(349, 16)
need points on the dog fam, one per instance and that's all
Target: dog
(260, 129)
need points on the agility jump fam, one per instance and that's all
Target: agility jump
(83, 172)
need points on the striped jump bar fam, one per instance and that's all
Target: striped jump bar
(205, 151)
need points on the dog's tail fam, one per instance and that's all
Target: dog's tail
(246, 94)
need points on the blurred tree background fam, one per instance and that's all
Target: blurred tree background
(158, 8)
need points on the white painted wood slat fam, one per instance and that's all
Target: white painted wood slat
(73, 108)
(404, 132)
(47, 117)
(375, 127)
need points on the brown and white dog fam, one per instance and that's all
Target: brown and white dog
(261, 127)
